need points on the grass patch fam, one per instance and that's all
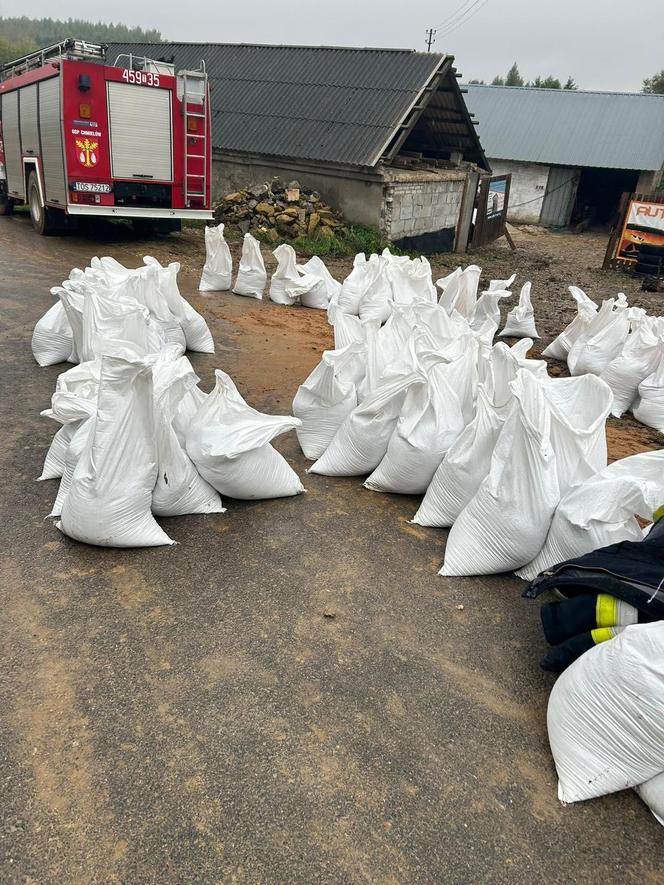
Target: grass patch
(345, 244)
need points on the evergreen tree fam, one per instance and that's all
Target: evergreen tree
(570, 84)
(513, 77)
(654, 84)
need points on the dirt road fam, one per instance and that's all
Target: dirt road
(190, 714)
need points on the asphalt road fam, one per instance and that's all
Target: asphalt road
(190, 714)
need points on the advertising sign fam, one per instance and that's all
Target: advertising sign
(644, 223)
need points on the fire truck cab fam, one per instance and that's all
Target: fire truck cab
(80, 137)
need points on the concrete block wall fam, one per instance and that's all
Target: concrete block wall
(527, 189)
(411, 208)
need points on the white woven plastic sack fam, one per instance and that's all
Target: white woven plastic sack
(316, 287)
(639, 357)
(52, 337)
(606, 715)
(649, 408)
(327, 396)
(579, 409)
(586, 310)
(355, 284)
(360, 443)
(376, 302)
(501, 285)
(411, 281)
(468, 460)
(179, 489)
(70, 410)
(143, 286)
(430, 420)
(602, 340)
(251, 274)
(348, 329)
(218, 267)
(460, 292)
(652, 793)
(185, 412)
(520, 321)
(488, 308)
(602, 510)
(110, 322)
(108, 503)
(505, 524)
(196, 331)
(229, 442)
(285, 275)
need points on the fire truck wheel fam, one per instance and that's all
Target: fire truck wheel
(143, 227)
(40, 215)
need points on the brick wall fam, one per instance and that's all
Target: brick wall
(411, 208)
(527, 189)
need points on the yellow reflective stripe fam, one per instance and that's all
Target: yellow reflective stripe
(658, 514)
(606, 610)
(601, 634)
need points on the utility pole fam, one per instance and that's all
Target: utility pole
(430, 38)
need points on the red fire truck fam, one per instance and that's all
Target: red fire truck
(80, 137)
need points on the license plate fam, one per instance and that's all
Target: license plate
(91, 187)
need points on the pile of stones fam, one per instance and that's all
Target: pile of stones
(278, 211)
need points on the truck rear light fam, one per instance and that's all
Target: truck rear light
(84, 111)
(192, 124)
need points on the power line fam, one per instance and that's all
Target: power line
(460, 9)
(430, 38)
(468, 14)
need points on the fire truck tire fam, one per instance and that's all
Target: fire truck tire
(651, 249)
(43, 219)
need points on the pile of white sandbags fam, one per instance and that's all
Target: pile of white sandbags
(625, 347)
(138, 438)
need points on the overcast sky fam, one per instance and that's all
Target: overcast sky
(603, 44)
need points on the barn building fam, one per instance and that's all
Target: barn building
(383, 134)
(571, 153)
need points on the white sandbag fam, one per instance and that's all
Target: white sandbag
(251, 274)
(185, 412)
(70, 410)
(652, 793)
(430, 420)
(450, 280)
(579, 409)
(468, 460)
(411, 281)
(72, 298)
(649, 408)
(487, 308)
(179, 489)
(520, 321)
(348, 329)
(109, 322)
(229, 442)
(460, 293)
(501, 285)
(196, 332)
(285, 274)
(73, 454)
(602, 510)
(142, 285)
(316, 287)
(327, 396)
(108, 503)
(638, 359)
(505, 524)
(602, 340)
(606, 715)
(218, 267)
(52, 337)
(54, 462)
(361, 441)
(586, 310)
(376, 302)
(355, 284)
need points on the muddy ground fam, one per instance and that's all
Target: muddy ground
(289, 694)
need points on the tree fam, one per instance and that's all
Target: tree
(476, 82)
(545, 83)
(10, 50)
(654, 84)
(513, 77)
(570, 84)
(498, 81)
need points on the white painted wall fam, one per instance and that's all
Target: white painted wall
(527, 189)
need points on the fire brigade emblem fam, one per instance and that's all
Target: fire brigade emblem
(87, 152)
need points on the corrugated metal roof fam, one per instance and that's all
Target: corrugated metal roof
(331, 104)
(615, 130)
